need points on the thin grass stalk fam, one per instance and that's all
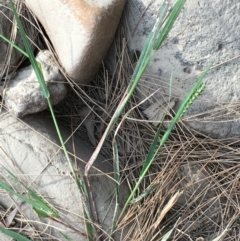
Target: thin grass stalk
(30, 54)
(143, 195)
(13, 235)
(14, 45)
(146, 166)
(142, 64)
(185, 103)
(38, 204)
(148, 48)
(169, 23)
(80, 183)
(117, 179)
(37, 69)
(224, 232)
(157, 143)
(90, 228)
(70, 227)
(42, 208)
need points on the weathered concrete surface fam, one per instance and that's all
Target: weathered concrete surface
(206, 32)
(23, 94)
(28, 150)
(80, 31)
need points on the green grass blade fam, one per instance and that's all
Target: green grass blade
(19, 49)
(36, 202)
(38, 71)
(117, 178)
(41, 207)
(89, 228)
(13, 235)
(193, 97)
(30, 54)
(148, 51)
(182, 108)
(150, 158)
(62, 143)
(116, 166)
(148, 191)
(14, 45)
(167, 235)
(146, 55)
(169, 23)
(152, 149)
(81, 184)
(148, 47)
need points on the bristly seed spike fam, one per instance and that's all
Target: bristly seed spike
(193, 97)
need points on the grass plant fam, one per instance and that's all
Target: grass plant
(160, 31)
(205, 169)
(170, 151)
(39, 74)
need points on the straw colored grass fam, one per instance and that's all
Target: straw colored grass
(195, 177)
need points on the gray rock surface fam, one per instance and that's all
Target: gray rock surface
(30, 150)
(23, 94)
(81, 32)
(205, 33)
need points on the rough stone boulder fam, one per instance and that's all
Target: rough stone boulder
(30, 150)
(23, 94)
(81, 32)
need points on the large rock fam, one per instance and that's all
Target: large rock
(30, 149)
(206, 32)
(23, 94)
(81, 32)
(10, 58)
